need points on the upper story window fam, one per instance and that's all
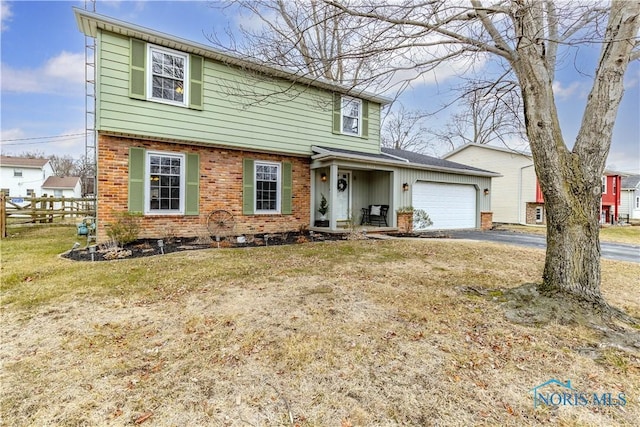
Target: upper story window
(165, 178)
(604, 185)
(350, 116)
(167, 74)
(17, 173)
(164, 75)
(351, 113)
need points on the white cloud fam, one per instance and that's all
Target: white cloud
(565, 93)
(14, 133)
(62, 74)
(5, 15)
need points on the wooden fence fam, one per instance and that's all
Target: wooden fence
(43, 210)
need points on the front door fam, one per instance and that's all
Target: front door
(343, 207)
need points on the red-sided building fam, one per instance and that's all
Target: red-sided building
(610, 203)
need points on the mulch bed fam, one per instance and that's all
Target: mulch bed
(151, 247)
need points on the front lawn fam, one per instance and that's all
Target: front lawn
(349, 333)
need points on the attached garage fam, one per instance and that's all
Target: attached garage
(450, 206)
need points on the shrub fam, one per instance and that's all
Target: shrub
(125, 229)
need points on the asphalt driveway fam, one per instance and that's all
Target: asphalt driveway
(615, 251)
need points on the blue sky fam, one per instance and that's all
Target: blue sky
(42, 75)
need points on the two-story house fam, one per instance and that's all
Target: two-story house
(517, 198)
(184, 130)
(23, 177)
(630, 198)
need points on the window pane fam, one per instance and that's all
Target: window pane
(167, 76)
(164, 183)
(266, 185)
(350, 125)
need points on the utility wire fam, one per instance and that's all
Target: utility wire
(72, 136)
(41, 137)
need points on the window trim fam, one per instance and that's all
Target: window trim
(147, 183)
(185, 75)
(539, 214)
(350, 99)
(279, 182)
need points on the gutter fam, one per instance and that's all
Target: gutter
(329, 155)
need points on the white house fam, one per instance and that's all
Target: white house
(23, 177)
(68, 186)
(514, 193)
(630, 197)
(516, 196)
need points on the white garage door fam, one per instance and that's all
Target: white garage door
(449, 206)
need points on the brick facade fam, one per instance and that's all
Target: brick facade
(220, 188)
(405, 222)
(486, 220)
(531, 214)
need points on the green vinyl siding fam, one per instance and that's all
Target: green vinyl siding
(284, 124)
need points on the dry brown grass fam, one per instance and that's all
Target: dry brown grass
(355, 333)
(615, 234)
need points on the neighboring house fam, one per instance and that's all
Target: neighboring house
(23, 177)
(516, 196)
(184, 130)
(630, 197)
(68, 186)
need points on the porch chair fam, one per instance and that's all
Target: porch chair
(375, 214)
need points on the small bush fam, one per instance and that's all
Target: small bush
(125, 229)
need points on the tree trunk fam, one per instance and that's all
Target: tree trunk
(571, 180)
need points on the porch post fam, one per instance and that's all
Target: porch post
(333, 196)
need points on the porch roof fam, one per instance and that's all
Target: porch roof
(400, 158)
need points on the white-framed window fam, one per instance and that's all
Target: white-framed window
(267, 187)
(5, 191)
(165, 183)
(17, 173)
(539, 214)
(31, 192)
(637, 202)
(351, 116)
(168, 71)
(604, 185)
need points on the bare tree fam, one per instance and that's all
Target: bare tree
(405, 130)
(525, 36)
(488, 113)
(63, 165)
(308, 37)
(32, 155)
